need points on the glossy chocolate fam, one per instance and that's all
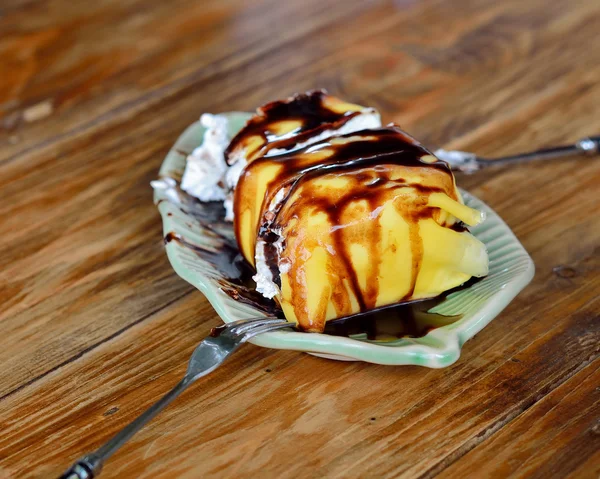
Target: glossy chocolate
(235, 278)
(231, 271)
(404, 320)
(283, 124)
(367, 152)
(411, 319)
(372, 162)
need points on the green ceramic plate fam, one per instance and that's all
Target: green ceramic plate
(511, 269)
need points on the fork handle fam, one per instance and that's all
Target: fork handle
(589, 146)
(90, 465)
(86, 467)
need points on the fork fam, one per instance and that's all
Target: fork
(207, 356)
(470, 163)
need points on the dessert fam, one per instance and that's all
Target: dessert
(340, 216)
(212, 170)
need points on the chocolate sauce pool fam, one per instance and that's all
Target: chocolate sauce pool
(232, 272)
(409, 320)
(404, 320)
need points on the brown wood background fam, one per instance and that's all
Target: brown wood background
(95, 326)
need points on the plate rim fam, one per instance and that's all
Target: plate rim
(449, 339)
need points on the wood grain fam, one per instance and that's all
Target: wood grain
(565, 420)
(95, 325)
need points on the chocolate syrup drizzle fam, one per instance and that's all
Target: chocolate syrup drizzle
(411, 319)
(231, 271)
(368, 158)
(310, 111)
(234, 276)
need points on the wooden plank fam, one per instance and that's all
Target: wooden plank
(149, 51)
(94, 318)
(551, 439)
(244, 420)
(107, 262)
(399, 52)
(83, 259)
(107, 221)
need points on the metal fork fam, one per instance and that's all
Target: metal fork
(209, 355)
(470, 163)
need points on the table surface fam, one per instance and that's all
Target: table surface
(95, 326)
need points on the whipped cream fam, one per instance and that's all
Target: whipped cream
(232, 175)
(265, 283)
(264, 277)
(204, 175)
(369, 118)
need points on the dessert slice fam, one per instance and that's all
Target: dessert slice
(301, 120)
(353, 223)
(213, 169)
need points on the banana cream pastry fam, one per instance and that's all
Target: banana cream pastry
(339, 215)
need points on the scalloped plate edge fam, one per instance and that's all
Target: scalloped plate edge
(443, 345)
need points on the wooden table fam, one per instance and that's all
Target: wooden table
(95, 325)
